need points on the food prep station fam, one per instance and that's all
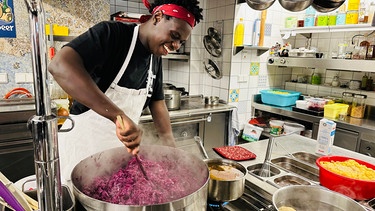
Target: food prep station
(300, 169)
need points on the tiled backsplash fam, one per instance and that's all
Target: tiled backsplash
(15, 54)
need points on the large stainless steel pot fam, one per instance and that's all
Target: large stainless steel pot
(172, 99)
(223, 190)
(312, 197)
(108, 162)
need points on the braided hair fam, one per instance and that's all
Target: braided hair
(191, 5)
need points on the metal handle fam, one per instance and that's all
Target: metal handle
(189, 121)
(66, 118)
(199, 142)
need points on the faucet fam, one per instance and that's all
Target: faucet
(44, 124)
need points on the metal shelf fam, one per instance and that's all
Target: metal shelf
(182, 57)
(332, 64)
(260, 50)
(307, 31)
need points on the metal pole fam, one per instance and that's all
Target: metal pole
(44, 124)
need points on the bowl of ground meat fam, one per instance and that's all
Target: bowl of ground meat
(112, 180)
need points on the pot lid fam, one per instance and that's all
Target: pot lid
(213, 69)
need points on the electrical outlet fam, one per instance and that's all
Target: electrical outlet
(20, 78)
(3, 78)
(29, 77)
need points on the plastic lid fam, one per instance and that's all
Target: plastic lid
(360, 96)
(347, 94)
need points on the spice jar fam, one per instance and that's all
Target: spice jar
(358, 106)
(347, 98)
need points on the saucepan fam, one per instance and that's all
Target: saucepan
(90, 170)
(221, 188)
(312, 197)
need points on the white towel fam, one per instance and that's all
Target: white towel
(234, 129)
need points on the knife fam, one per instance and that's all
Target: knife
(119, 118)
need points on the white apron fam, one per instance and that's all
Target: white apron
(94, 133)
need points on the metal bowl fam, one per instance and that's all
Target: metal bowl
(260, 4)
(325, 6)
(311, 197)
(295, 5)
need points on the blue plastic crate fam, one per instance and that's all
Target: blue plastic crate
(270, 96)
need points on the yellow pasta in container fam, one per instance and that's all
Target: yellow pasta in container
(349, 176)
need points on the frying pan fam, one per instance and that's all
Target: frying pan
(223, 190)
(106, 163)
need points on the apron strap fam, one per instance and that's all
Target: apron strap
(128, 57)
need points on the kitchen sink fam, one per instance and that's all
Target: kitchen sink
(306, 157)
(286, 180)
(297, 167)
(256, 170)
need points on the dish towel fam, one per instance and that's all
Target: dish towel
(234, 129)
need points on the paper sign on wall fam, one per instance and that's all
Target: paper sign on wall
(7, 23)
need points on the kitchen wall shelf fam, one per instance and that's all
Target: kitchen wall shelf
(307, 31)
(260, 50)
(332, 64)
(181, 57)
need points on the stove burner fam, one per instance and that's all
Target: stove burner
(216, 205)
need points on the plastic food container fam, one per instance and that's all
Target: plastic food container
(291, 127)
(332, 111)
(276, 127)
(279, 97)
(358, 106)
(353, 188)
(251, 132)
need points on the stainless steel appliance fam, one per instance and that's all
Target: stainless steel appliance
(16, 144)
(194, 118)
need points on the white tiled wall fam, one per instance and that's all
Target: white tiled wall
(236, 68)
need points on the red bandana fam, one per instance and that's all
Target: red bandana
(171, 10)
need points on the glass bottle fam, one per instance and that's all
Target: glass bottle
(364, 82)
(315, 78)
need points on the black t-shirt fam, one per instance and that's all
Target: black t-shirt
(103, 49)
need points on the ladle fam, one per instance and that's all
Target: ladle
(136, 155)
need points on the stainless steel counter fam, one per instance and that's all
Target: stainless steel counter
(293, 143)
(193, 105)
(352, 133)
(349, 122)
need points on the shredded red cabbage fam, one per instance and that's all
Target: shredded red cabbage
(167, 182)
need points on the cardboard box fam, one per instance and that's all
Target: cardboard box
(326, 135)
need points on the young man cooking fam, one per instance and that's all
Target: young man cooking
(116, 69)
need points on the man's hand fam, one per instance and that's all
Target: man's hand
(128, 133)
